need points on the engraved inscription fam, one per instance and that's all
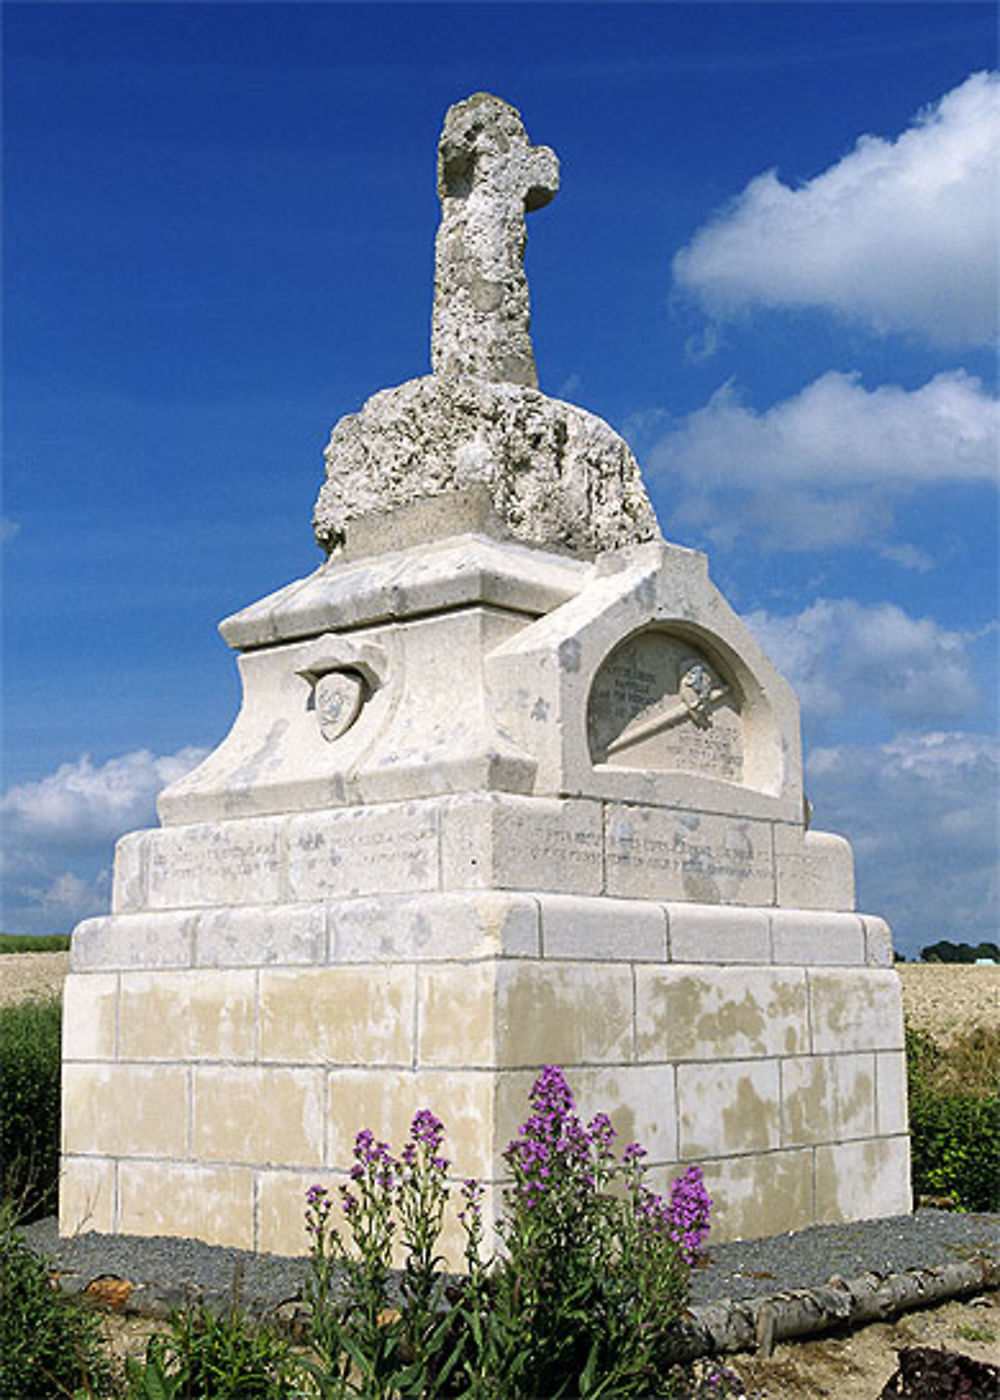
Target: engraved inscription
(569, 847)
(707, 858)
(658, 703)
(362, 853)
(233, 864)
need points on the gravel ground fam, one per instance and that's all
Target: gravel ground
(166, 1270)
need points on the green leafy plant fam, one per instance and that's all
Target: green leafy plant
(30, 1076)
(50, 1345)
(583, 1301)
(213, 1357)
(954, 1109)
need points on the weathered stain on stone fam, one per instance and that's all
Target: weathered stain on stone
(566, 1015)
(747, 1120)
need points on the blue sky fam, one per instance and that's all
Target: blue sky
(771, 265)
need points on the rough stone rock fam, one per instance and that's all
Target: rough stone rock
(558, 476)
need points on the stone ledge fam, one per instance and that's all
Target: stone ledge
(477, 925)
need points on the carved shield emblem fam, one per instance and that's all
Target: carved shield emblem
(338, 695)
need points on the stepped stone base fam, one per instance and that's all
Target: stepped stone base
(218, 1062)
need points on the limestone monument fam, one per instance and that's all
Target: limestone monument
(511, 785)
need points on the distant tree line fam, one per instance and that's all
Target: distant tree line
(947, 952)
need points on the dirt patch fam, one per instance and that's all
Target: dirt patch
(944, 998)
(27, 975)
(856, 1365)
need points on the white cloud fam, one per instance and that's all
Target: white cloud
(921, 813)
(8, 529)
(900, 234)
(59, 832)
(825, 468)
(908, 556)
(840, 655)
(836, 432)
(79, 803)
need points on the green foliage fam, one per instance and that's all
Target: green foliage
(947, 952)
(34, 943)
(954, 1101)
(50, 1345)
(30, 1074)
(585, 1301)
(208, 1357)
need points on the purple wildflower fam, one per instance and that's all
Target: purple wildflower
(687, 1213)
(472, 1196)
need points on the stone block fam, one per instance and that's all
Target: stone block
(878, 942)
(452, 574)
(216, 863)
(90, 1016)
(133, 940)
(281, 935)
(385, 1101)
(456, 1018)
(438, 735)
(388, 849)
(727, 1109)
(563, 1013)
(705, 933)
(815, 869)
(125, 1110)
(603, 930)
(804, 936)
(827, 1098)
(210, 1203)
(855, 1009)
(686, 1012)
(86, 1195)
(518, 843)
(281, 1209)
(890, 1093)
(659, 853)
(863, 1180)
(404, 928)
(639, 1099)
(197, 1014)
(753, 1197)
(258, 1115)
(128, 886)
(337, 1015)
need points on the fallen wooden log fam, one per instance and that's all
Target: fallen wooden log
(756, 1324)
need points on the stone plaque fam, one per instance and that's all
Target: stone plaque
(660, 703)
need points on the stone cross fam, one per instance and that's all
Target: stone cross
(489, 177)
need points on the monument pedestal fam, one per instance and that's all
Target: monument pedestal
(511, 786)
(485, 808)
